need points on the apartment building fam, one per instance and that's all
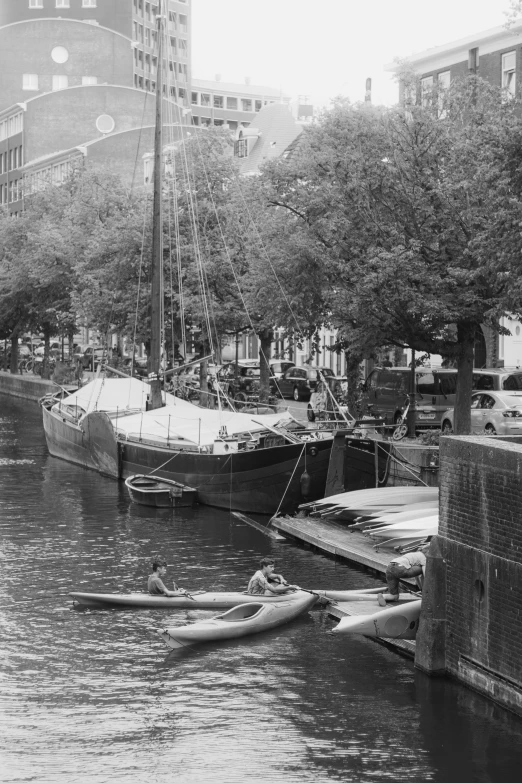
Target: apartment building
(496, 56)
(227, 103)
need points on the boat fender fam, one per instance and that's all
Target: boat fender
(306, 483)
(312, 451)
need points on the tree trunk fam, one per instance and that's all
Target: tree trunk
(265, 347)
(466, 338)
(203, 385)
(45, 367)
(14, 354)
(353, 377)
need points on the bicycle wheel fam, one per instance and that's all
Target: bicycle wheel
(400, 432)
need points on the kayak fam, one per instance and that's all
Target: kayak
(200, 600)
(250, 618)
(341, 596)
(399, 622)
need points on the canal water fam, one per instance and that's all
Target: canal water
(94, 696)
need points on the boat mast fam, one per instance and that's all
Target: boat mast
(156, 311)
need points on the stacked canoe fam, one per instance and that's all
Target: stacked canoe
(399, 518)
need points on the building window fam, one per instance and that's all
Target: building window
(60, 82)
(241, 148)
(62, 4)
(87, 80)
(172, 19)
(30, 81)
(443, 82)
(183, 26)
(88, 3)
(60, 54)
(426, 90)
(509, 62)
(147, 12)
(246, 104)
(194, 98)
(35, 3)
(232, 103)
(219, 102)
(140, 33)
(182, 94)
(182, 47)
(147, 36)
(205, 99)
(258, 105)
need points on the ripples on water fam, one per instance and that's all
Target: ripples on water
(95, 696)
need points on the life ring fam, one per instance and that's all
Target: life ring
(312, 451)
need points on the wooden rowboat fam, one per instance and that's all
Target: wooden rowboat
(243, 620)
(158, 492)
(199, 600)
(399, 622)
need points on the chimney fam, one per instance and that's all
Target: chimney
(368, 91)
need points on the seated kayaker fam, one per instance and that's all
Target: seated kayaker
(262, 584)
(155, 585)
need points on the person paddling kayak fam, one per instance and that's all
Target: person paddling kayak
(265, 582)
(155, 584)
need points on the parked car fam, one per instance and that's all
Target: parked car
(298, 383)
(245, 382)
(329, 400)
(140, 366)
(492, 413)
(279, 367)
(92, 356)
(386, 390)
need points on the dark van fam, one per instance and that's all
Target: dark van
(386, 393)
(386, 390)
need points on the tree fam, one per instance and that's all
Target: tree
(240, 259)
(418, 212)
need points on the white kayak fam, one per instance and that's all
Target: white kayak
(398, 622)
(422, 523)
(243, 620)
(341, 596)
(199, 600)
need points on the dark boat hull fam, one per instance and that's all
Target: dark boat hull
(259, 481)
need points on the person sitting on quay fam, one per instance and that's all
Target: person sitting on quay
(265, 582)
(155, 584)
(403, 567)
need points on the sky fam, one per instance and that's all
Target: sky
(325, 48)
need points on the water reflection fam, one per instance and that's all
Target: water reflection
(95, 694)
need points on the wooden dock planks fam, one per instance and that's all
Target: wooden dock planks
(335, 539)
(353, 546)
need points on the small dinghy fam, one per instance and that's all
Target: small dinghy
(160, 492)
(196, 600)
(250, 618)
(399, 622)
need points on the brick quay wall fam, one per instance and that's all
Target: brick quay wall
(472, 617)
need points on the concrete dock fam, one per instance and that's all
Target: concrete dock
(353, 546)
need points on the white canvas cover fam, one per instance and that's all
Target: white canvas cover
(112, 395)
(199, 426)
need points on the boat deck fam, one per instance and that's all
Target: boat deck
(339, 541)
